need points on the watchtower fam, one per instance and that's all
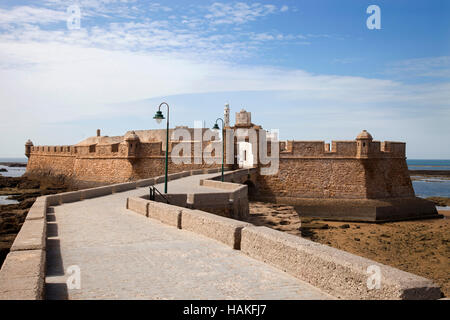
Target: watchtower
(363, 143)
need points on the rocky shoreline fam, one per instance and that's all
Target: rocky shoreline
(14, 164)
(419, 174)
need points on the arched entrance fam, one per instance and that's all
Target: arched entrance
(245, 155)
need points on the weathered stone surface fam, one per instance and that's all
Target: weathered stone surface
(209, 199)
(212, 170)
(219, 184)
(138, 205)
(339, 273)
(96, 192)
(38, 210)
(41, 201)
(175, 176)
(36, 213)
(68, 197)
(54, 200)
(120, 187)
(227, 231)
(31, 236)
(22, 275)
(145, 182)
(196, 172)
(165, 213)
(160, 179)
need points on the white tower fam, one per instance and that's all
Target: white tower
(226, 115)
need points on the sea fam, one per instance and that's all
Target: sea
(12, 172)
(423, 186)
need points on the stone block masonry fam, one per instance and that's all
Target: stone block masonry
(339, 273)
(225, 230)
(23, 271)
(22, 275)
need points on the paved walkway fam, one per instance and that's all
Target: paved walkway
(123, 255)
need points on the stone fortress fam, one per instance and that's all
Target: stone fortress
(360, 180)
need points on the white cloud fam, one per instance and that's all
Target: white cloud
(436, 67)
(284, 8)
(238, 13)
(26, 15)
(67, 81)
(155, 7)
(46, 84)
(56, 75)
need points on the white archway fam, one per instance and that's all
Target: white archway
(245, 155)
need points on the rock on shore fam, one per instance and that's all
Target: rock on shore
(440, 201)
(14, 164)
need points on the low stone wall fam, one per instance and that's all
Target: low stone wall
(225, 230)
(22, 275)
(238, 206)
(339, 273)
(166, 213)
(222, 229)
(232, 203)
(342, 274)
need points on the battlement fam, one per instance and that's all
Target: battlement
(53, 150)
(132, 146)
(120, 150)
(376, 149)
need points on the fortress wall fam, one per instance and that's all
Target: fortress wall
(343, 148)
(338, 178)
(308, 148)
(394, 148)
(98, 171)
(387, 178)
(51, 162)
(318, 149)
(374, 147)
(339, 149)
(95, 165)
(308, 169)
(150, 148)
(315, 178)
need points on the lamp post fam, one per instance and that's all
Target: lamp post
(216, 127)
(159, 117)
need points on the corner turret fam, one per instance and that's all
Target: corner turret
(132, 141)
(28, 146)
(363, 141)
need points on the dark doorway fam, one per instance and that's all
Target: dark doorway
(251, 190)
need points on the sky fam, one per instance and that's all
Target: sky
(312, 69)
